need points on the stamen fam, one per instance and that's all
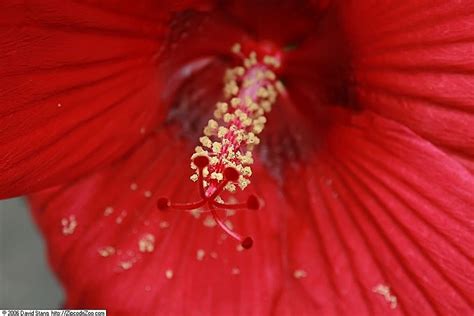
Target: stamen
(230, 232)
(223, 161)
(251, 204)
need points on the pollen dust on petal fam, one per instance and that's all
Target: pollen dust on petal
(169, 274)
(221, 240)
(196, 213)
(300, 274)
(235, 271)
(200, 253)
(385, 291)
(229, 224)
(164, 224)
(120, 218)
(147, 194)
(106, 251)
(230, 213)
(108, 210)
(147, 243)
(69, 225)
(126, 265)
(209, 222)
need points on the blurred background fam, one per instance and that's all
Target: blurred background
(25, 278)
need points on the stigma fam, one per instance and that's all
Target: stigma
(223, 160)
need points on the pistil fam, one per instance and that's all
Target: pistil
(223, 160)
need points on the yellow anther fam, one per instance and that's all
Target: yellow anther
(230, 154)
(259, 112)
(234, 90)
(198, 149)
(236, 48)
(222, 131)
(248, 63)
(211, 127)
(271, 61)
(253, 106)
(261, 119)
(272, 93)
(246, 171)
(267, 60)
(258, 128)
(229, 138)
(214, 160)
(239, 135)
(266, 106)
(248, 101)
(217, 175)
(205, 141)
(194, 177)
(262, 92)
(216, 147)
(247, 122)
(229, 75)
(230, 187)
(235, 102)
(218, 114)
(270, 75)
(231, 88)
(252, 139)
(279, 86)
(222, 106)
(207, 131)
(245, 159)
(240, 114)
(239, 71)
(243, 183)
(228, 117)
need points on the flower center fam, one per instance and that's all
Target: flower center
(223, 161)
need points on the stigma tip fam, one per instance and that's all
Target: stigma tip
(247, 243)
(231, 174)
(163, 204)
(201, 161)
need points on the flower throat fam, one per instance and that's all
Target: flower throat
(223, 161)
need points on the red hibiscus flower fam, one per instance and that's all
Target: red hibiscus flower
(363, 173)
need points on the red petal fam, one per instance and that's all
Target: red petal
(379, 206)
(411, 64)
(78, 86)
(388, 208)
